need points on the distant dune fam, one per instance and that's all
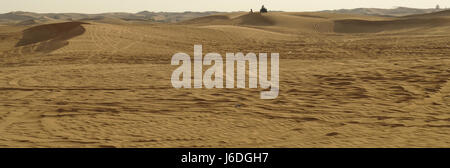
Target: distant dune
(418, 23)
(27, 22)
(255, 19)
(444, 13)
(167, 17)
(103, 19)
(399, 11)
(173, 17)
(322, 22)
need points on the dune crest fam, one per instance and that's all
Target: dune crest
(255, 19)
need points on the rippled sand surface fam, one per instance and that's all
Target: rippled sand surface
(108, 85)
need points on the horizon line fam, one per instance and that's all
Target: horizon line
(187, 11)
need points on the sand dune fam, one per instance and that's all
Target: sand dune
(395, 12)
(101, 19)
(27, 22)
(364, 26)
(418, 23)
(345, 81)
(445, 13)
(256, 19)
(279, 22)
(13, 18)
(292, 22)
(213, 19)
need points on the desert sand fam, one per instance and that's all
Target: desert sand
(345, 81)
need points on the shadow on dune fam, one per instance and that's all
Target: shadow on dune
(50, 37)
(207, 19)
(366, 26)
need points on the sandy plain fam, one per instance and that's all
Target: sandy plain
(345, 81)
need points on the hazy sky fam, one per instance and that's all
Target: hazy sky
(99, 6)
